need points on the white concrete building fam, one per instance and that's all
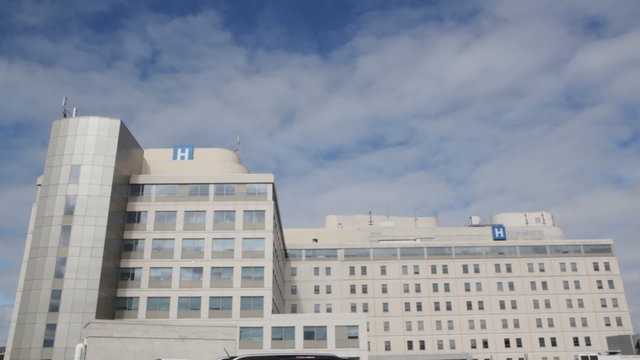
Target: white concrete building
(180, 253)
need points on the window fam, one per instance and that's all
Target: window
(618, 321)
(405, 288)
(550, 322)
(224, 245)
(139, 190)
(516, 323)
(387, 346)
(614, 302)
(465, 268)
(541, 267)
(251, 303)
(315, 333)
(65, 235)
(572, 322)
(224, 217)
(383, 270)
(440, 344)
(541, 342)
(385, 326)
(536, 304)
(162, 245)
(198, 189)
(328, 289)
(499, 286)
(587, 341)
(485, 343)
(532, 285)
(596, 266)
(581, 303)
(445, 269)
(576, 341)
(130, 274)
(545, 286)
(363, 270)
(416, 269)
(449, 324)
(418, 306)
(480, 305)
(316, 289)
(327, 271)
(316, 308)
(384, 288)
(511, 286)
(502, 304)
(473, 344)
(220, 303)
(469, 305)
(467, 287)
(70, 204)
(472, 324)
(136, 217)
(294, 271)
(509, 268)
(452, 344)
(158, 303)
(478, 286)
(434, 269)
(294, 308)
(584, 322)
(420, 325)
(607, 266)
(253, 244)
(160, 273)
(434, 287)
(385, 307)
(607, 321)
(352, 270)
(530, 267)
(554, 341)
(61, 264)
(505, 323)
(354, 307)
(256, 189)
(447, 287)
(565, 285)
(409, 345)
(189, 303)
(507, 343)
(539, 322)
(547, 303)
(497, 268)
(563, 267)
(610, 284)
(126, 303)
(194, 217)
(365, 307)
(54, 300)
(422, 344)
(405, 270)
(407, 306)
(408, 326)
(603, 302)
(254, 216)
(448, 306)
(574, 266)
(222, 273)
(599, 284)
(569, 303)
(283, 333)
(316, 271)
(192, 245)
(352, 289)
(256, 273)
(251, 334)
(576, 284)
(224, 189)
(49, 335)
(476, 268)
(417, 288)
(165, 217)
(166, 190)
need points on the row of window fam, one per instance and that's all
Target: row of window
(287, 333)
(191, 273)
(192, 245)
(190, 303)
(197, 190)
(196, 217)
(415, 253)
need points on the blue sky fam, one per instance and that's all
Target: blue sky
(451, 108)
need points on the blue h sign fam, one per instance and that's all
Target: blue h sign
(183, 152)
(499, 232)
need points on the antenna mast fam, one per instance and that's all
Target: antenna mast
(64, 106)
(237, 149)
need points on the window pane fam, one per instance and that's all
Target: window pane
(222, 245)
(166, 190)
(253, 244)
(166, 217)
(199, 190)
(70, 204)
(194, 217)
(162, 245)
(225, 189)
(224, 217)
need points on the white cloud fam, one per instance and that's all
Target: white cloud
(522, 106)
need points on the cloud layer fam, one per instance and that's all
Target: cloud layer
(451, 109)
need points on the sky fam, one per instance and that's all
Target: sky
(433, 108)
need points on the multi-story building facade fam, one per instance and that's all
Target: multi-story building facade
(517, 290)
(180, 253)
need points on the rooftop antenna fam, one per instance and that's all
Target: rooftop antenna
(370, 218)
(75, 112)
(64, 106)
(237, 149)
